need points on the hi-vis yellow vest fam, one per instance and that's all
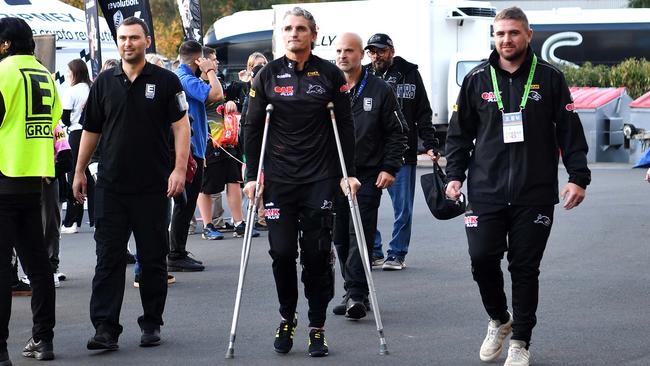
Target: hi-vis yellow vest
(32, 109)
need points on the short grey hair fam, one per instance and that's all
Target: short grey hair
(300, 12)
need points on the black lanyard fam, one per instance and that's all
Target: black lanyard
(360, 89)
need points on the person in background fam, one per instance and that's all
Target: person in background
(193, 64)
(256, 61)
(73, 104)
(51, 204)
(406, 81)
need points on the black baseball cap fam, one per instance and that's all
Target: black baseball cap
(379, 40)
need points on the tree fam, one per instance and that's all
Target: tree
(166, 19)
(638, 4)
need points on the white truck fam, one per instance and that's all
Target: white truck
(67, 24)
(445, 38)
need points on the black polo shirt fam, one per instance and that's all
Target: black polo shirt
(134, 120)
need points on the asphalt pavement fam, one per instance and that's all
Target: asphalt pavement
(593, 310)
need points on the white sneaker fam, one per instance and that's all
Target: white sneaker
(25, 279)
(518, 355)
(57, 284)
(69, 230)
(493, 342)
(62, 276)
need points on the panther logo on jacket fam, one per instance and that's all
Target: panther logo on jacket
(315, 89)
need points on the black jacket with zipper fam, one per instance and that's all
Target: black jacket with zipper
(300, 145)
(413, 102)
(523, 173)
(380, 135)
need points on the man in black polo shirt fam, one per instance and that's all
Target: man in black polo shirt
(132, 109)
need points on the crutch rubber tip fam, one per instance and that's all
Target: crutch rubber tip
(383, 350)
(230, 353)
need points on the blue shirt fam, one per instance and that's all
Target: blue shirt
(197, 93)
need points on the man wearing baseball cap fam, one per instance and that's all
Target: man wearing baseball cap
(413, 102)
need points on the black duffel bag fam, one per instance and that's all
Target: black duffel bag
(433, 187)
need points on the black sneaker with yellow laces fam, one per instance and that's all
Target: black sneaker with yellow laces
(284, 335)
(317, 343)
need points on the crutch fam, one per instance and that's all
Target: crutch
(361, 239)
(248, 234)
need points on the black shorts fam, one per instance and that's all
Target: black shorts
(220, 173)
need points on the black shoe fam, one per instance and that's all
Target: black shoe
(284, 335)
(189, 256)
(355, 309)
(340, 308)
(4, 359)
(261, 227)
(226, 228)
(317, 343)
(184, 264)
(41, 350)
(21, 289)
(102, 341)
(150, 337)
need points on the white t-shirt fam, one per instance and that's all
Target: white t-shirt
(75, 100)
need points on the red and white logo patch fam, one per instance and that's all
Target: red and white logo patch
(285, 91)
(489, 97)
(471, 221)
(272, 213)
(570, 107)
(344, 88)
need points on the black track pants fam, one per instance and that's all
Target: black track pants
(302, 213)
(522, 231)
(345, 239)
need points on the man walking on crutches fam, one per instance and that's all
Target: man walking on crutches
(380, 144)
(301, 171)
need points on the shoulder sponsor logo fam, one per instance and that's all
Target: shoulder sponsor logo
(150, 91)
(313, 73)
(315, 89)
(367, 104)
(535, 96)
(406, 91)
(471, 221)
(544, 220)
(489, 97)
(570, 107)
(344, 88)
(286, 75)
(285, 91)
(534, 87)
(252, 93)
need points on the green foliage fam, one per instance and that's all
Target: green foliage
(633, 74)
(638, 4)
(167, 25)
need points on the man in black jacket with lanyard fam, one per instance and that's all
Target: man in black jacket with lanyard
(513, 118)
(301, 171)
(414, 106)
(380, 145)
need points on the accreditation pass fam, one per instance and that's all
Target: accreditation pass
(513, 127)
